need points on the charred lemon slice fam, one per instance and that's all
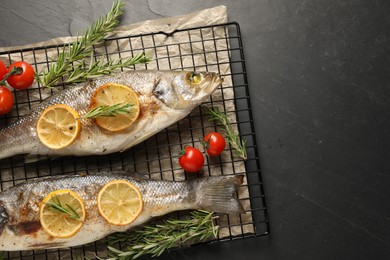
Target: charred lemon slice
(58, 126)
(120, 202)
(62, 213)
(111, 94)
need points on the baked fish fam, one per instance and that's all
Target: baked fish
(165, 97)
(20, 228)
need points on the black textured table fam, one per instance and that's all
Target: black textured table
(319, 74)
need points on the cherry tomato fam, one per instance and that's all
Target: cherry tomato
(3, 70)
(214, 143)
(23, 80)
(192, 160)
(6, 100)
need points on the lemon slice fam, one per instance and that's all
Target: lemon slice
(119, 202)
(110, 94)
(58, 126)
(59, 223)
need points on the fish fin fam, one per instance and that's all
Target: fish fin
(217, 194)
(32, 158)
(3, 218)
(138, 175)
(125, 173)
(133, 174)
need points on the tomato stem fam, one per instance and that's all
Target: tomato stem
(182, 152)
(205, 143)
(13, 71)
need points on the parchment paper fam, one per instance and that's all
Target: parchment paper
(188, 56)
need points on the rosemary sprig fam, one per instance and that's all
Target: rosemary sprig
(231, 135)
(81, 73)
(56, 204)
(82, 46)
(156, 239)
(108, 110)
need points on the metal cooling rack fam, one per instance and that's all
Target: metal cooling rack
(157, 156)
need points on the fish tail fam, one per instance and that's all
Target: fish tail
(217, 194)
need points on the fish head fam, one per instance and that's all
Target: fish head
(183, 90)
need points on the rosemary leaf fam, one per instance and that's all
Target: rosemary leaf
(81, 73)
(231, 136)
(108, 110)
(157, 239)
(74, 211)
(82, 46)
(69, 210)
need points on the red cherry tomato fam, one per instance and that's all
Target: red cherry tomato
(192, 160)
(6, 100)
(23, 80)
(3, 70)
(214, 143)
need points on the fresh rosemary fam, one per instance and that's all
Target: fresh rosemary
(108, 110)
(82, 72)
(230, 135)
(69, 210)
(156, 239)
(82, 47)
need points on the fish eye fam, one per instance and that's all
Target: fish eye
(194, 77)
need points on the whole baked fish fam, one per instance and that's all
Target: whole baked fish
(20, 228)
(165, 97)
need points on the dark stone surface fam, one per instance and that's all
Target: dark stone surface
(320, 72)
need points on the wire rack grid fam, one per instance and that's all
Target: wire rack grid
(216, 48)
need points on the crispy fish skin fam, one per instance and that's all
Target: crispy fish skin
(20, 228)
(165, 97)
